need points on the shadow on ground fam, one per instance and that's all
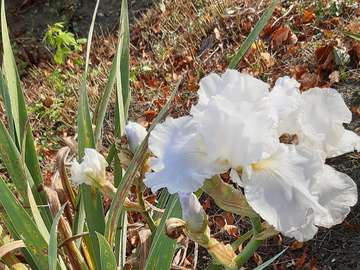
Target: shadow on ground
(29, 19)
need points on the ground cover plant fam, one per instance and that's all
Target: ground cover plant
(101, 215)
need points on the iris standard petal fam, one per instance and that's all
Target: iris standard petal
(237, 133)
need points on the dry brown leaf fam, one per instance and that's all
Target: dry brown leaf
(309, 80)
(220, 222)
(279, 36)
(207, 203)
(229, 218)
(144, 246)
(150, 115)
(258, 258)
(296, 245)
(267, 59)
(301, 261)
(282, 35)
(309, 15)
(325, 58)
(334, 77)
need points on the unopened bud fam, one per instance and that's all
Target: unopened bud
(135, 134)
(193, 213)
(174, 228)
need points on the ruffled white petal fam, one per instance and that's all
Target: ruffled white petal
(232, 85)
(349, 142)
(135, 134)
(337, 192)
(286, 101)
(278, 189)
(322, 117)
(181, 163)
(76, 174)
(238, 133)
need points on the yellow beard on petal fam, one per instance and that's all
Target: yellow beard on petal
(261, 165)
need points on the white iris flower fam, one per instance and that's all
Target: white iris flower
(91, 170)
(237, 124)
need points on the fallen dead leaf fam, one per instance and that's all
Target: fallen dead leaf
(279, 36)
(334, 77)
(296, 245)
(308, 80)
(268, 60)
(309, 15)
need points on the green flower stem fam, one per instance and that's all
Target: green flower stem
(246, 236)
(145, 213)
(251, 246)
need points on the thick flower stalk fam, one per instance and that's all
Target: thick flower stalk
(272, 142)
(195, 226)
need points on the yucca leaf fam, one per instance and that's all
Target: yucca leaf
(15, 106)
(122, 191)
(163, 248)
(108, 261)
(11, 75)
(53, 246)
(37, 216)
(24, 226)
(259, 26)
(104, 101)
(7, 104)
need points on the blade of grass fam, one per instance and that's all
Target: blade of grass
(253, 35)
(122, 99)
(269, 262)
(355, 36)
(11, 75)
(53, 240)
(122, 191)
(120, 72)
(24, 226)
(37, 216)
(104, 101)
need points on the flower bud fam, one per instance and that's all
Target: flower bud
(174, 227)
(91, 170)
(135, 134)
(193, 213)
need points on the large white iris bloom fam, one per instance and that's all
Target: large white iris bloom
(237, 124)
